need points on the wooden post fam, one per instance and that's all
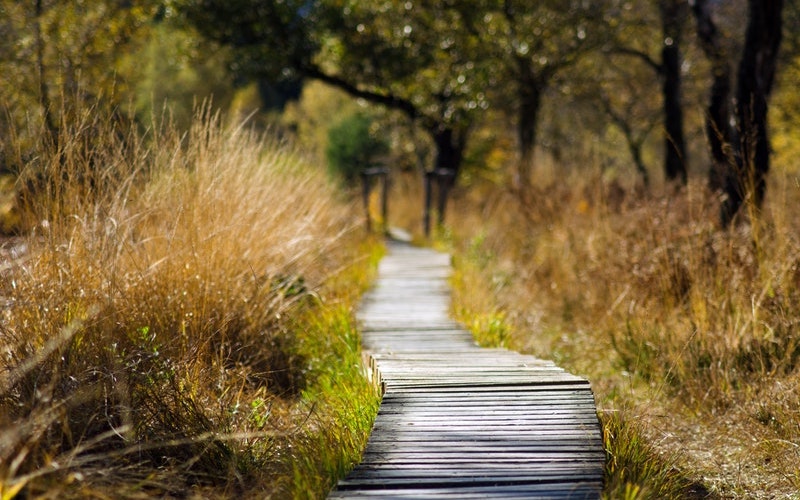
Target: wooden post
(366, 178)
(428, 198)
(445, 181)
(385, 202)
(366, 187)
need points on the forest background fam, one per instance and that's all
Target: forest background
(615, 201)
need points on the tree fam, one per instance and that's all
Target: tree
(754, 83)
(742, 152)
(174, 69)
(623, 97)
(59, 53)
(719, 131)
(421, 60)
(672, 20)
(353, 146)
(672, 15)
(405, 56)
(534, 42)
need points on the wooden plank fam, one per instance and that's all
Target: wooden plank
(484, 413)
(477, 424)
(551, 445)
(422, 456)
(467, 382)
(585, 490)
(522, 392)
(428, 460)
(488, 411)
(461, 478)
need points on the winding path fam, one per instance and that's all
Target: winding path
(458, 420)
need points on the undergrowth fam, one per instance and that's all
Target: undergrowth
(178, 321)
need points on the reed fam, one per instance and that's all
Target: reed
(156, 334)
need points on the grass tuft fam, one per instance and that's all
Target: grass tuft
(635, 468)
(177, 320)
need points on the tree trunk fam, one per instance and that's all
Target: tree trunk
(674, 144)
(530, 104)
(449, 153)
(754, 84)
(450, 143)
(719, 132)
(44, 93)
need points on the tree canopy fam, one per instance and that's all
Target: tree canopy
(452, 69)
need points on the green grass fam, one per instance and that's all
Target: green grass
(345, 404)
(635, 469)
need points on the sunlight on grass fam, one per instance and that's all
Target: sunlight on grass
(681, 326)
(180, 321)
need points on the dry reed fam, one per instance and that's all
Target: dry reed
(685, 328)
(147, 334)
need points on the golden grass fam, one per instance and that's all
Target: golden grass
(157, 336)
(688, 330)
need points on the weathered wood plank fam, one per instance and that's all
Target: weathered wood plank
(451, 478)
(459, 421)
(587, 490)
(521, 392)
(423, 456)
(545, 447)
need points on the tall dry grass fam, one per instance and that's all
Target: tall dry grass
(155, 334)
(688, 332)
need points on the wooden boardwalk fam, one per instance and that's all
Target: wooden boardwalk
(457, 420)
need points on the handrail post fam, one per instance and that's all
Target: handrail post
(445, 178)
(428, 199)
(385, 202)
(366, 178)
(366, 187)
(444, 181)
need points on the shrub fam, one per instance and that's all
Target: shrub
(353, 146)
